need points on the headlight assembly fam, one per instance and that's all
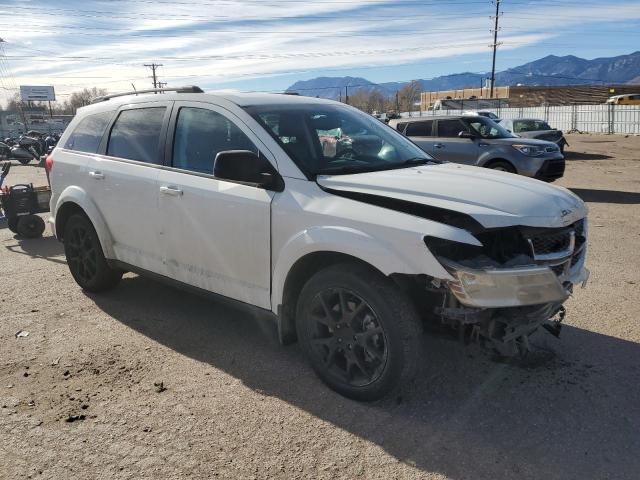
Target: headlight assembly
(529, 150)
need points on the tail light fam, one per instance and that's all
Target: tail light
(48, 163)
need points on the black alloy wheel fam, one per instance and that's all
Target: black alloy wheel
(347, 337)
(85, 257)
(81, 253)
(359, 330)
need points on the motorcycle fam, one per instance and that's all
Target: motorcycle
(26, 150)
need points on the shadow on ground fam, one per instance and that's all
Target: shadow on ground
(568, 155)
(48, 248)
(607, 196)
(575, 414)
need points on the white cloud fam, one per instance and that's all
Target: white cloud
(233, 40)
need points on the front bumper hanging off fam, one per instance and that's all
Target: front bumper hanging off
(512, 287)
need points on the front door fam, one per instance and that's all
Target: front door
(450, 147)
(216, 233)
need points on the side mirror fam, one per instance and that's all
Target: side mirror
(465, 134)
(247, 167)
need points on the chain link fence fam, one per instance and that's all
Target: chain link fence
(602, 118)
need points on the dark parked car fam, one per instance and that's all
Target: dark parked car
(532, 128)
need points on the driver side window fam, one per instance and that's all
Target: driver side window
(200, 135)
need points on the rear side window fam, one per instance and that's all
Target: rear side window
(419, 129)
(450, 128)
(201, 134)
(136, 135)
(87, 135)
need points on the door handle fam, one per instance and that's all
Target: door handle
(438, 145)
(174, 191)
(96, 175)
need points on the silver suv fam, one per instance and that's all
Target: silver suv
(477, 140)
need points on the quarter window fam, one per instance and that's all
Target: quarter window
(419, 129)
(136, 135)
(200, 135)
(87, 135)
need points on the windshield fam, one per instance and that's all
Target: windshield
(336, 139)
(487, 128)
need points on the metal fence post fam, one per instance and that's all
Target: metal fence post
(574, 117)
(610, 117)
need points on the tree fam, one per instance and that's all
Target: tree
(81, 98)
(409, 95)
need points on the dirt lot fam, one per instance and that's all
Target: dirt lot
(237, 405)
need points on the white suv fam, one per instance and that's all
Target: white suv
(321, 217)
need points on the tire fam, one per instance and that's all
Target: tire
(30, 226)
(86, 261)
(12, 223)
(373, 349)
(502, 167)
(24, 161)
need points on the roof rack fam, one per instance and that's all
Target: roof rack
(187, 89)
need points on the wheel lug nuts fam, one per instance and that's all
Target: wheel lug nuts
(339, 340)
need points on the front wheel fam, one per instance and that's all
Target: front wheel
(360, 333)
(86, 261)
(24, 160)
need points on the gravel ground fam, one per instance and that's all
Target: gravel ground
(150, 382)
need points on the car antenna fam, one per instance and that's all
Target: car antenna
(134, 88)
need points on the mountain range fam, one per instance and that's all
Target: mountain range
(550, 70)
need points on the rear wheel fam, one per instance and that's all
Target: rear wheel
(502, 167)
(85, 258)
(359, 331)
(24, 160)
(30, 226)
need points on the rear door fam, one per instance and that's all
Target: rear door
(125, 182)
(447, 145)
(216, 234)
(421, 133)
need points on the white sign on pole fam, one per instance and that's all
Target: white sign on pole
(37, 93)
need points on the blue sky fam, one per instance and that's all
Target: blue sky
(269, 44)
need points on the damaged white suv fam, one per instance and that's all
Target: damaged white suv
(321, 217)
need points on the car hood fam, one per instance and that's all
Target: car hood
(492, 198)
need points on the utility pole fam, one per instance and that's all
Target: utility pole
(346, 94)
(495, 46)
(153, 67)
(161, 84)
(397, 103)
